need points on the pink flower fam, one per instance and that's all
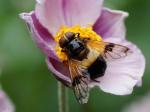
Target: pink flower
(50, 15)
(5, 103)
(140, 105)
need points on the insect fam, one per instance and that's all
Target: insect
(87, 60)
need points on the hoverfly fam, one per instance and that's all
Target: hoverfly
(87, 60)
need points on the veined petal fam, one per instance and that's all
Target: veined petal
(123, 74)
(40, 35)
(61, 72)
(111, 23)
(82, 12)
(52, 14)
(5, 104)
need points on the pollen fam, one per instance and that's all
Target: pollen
(85, 32)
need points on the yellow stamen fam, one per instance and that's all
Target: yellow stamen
(85, 32)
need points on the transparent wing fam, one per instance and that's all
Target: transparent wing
(79, 82)
(110, 51)
(114, 51)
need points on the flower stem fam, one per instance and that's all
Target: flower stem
(62, 98)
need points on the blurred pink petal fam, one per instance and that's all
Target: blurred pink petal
(140, 105)
(5, 104)
(40, 35)
(111, 23)
(123, 74)
(52, 14)
(40, 1)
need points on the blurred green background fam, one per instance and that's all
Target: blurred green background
(25, 76)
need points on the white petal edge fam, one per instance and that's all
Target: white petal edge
(47, 48)
(39, 1)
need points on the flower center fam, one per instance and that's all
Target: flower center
(85, 32)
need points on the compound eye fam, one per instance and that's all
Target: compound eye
(70, 36)
(63, 42)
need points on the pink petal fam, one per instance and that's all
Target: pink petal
(123, 74)
(40, 35)
(47, 44)
(5, 104)
(52, 14)
(61, 72)
(111, 23)
(140, 105)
